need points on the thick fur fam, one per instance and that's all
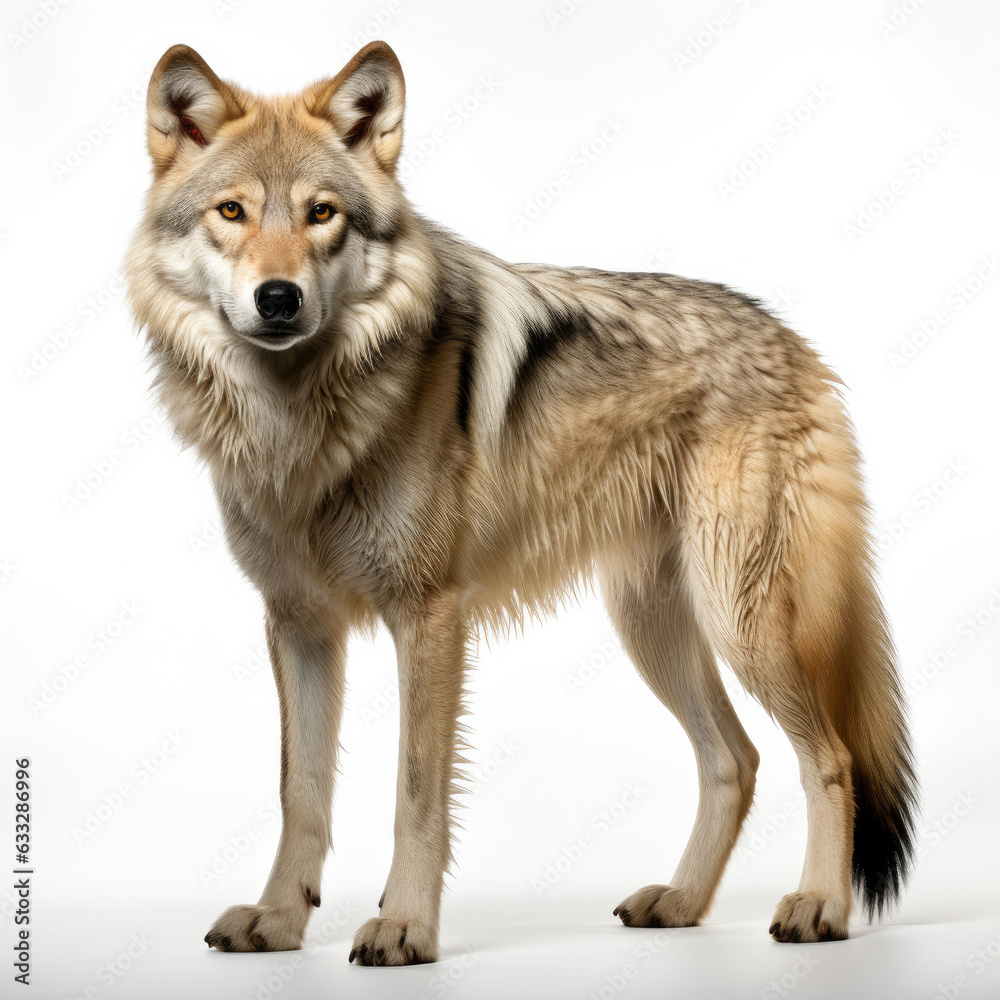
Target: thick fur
(443, 441)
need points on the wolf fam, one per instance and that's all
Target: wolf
(402, 429)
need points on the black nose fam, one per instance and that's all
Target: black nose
(278, 300)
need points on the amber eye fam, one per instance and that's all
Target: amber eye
(232, 210)
(321, 212)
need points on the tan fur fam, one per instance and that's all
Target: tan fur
(444, 442)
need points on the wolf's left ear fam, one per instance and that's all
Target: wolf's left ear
(186, 103)
(364, 101)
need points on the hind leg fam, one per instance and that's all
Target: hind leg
(761, 645)
(819, 909)
(654, 617)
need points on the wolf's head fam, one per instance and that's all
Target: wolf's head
(266, 215)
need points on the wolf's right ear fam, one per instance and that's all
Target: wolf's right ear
(186, 103)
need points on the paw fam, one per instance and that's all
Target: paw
(258, 928)
(807, 917)
(657, 906)
(382, 941)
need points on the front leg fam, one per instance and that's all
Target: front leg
(307, 647)
(430, 645)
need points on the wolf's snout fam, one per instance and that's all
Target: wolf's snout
(277, 300)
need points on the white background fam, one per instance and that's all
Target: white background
(535, 90)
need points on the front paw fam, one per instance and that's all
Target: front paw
(258, 928)
(657, 906)
(383, 941)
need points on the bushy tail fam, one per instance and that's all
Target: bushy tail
(871, 721)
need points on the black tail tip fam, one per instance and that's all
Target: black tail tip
(884, 841)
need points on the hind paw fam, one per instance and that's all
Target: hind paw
(807, 917)
(657, 906)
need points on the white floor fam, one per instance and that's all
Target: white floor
(504, 953)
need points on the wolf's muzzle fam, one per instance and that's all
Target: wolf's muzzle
(277, 300)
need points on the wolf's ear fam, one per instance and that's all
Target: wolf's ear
(364, 101)
(185, 104)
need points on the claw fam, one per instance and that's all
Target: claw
(216, 940)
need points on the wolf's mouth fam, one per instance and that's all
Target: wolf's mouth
(276, 331)
(275, 334)
(275, 337)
